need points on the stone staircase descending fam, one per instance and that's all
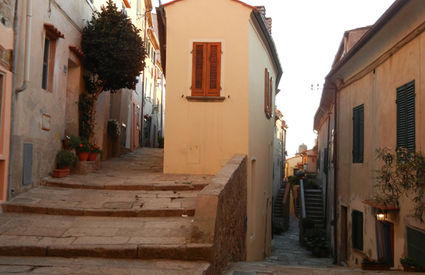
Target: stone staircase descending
(314, 206)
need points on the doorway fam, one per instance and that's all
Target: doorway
(385, 242)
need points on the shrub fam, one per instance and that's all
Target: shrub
(65, 159)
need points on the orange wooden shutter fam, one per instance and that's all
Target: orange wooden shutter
(213, 69)
(271, 97)
(198, 72)
(266, 78)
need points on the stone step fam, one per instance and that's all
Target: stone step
(57, 265)
(72, 182)
(115, 203)
(107, 237)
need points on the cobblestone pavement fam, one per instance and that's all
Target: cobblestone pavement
(288, 251)
(288, 257)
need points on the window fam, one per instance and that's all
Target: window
(45, 63)
(357, 229)
(406, 116)
(268, 88)
(206, 69)
(358, 134)
(52, 35)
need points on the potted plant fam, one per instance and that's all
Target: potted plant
(370, 264)
(83, 150)
(409, 264)
(64, 160)
(94, 151)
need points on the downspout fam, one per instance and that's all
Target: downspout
(12, 115)
(335, 174)
(27, 61)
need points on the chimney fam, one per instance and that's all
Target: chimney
(269, 24)
(267, 20)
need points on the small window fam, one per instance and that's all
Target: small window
(406, 117)
(52, 35)
(268, 93)
(46, 56)
(358, 134)
(206, 69)
(357, 229)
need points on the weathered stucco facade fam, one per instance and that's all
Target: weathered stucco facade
(203, 133)
(6, 83)
(390, 55)
(48, 82)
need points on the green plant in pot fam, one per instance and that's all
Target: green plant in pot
(64, 160)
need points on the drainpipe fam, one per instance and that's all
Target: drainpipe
(27, 48)
(336, 174)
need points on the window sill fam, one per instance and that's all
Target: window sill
(206, 98)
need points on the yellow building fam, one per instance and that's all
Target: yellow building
(222, 76)
(377, 79)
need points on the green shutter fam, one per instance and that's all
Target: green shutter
(358, 134)
(406, 116)
(416, 245)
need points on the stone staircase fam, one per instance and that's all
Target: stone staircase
(314, 206)
(280, 214)
(121, 212)
(127, 211)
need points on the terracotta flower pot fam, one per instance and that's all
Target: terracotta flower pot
(60, 173)
(92, 156)
(83, 156)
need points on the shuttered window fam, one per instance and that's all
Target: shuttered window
(358, 134)
(406, 116)
(268, 88)
(206, 69)
(357, 229)
(415, 245)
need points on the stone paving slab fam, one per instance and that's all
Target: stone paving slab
(138, 170)
(40, 235)
(53, 265)
(80, 202)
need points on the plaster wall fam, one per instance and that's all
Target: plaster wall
(35, 104)
(6, 43)
(200, 137)
(260, 154)
(377, 91)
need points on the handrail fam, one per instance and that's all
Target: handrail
(302, 200)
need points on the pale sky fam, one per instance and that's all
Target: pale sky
(307, 34)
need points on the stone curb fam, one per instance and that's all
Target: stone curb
(187, 252)
(18, 208)
(152, 187)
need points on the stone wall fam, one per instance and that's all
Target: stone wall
(221, 212)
